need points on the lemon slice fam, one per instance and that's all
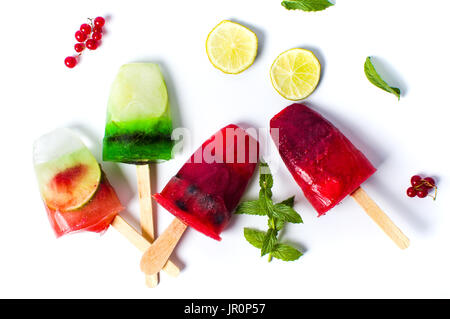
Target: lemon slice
(295, 74)
(231, 47)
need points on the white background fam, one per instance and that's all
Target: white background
(346, 255)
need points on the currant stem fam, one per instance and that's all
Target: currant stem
(91, 23)
(435, 193)
(427, 184)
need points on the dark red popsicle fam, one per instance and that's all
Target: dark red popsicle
(324, 163)
(206, 190)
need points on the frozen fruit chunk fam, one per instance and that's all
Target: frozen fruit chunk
(95, 216)
(205, 212)
(137, 92)
(68, 182)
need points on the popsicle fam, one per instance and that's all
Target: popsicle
(138, 131)
(205, 191)
(76, 193)
(326, 165)
(138, 121)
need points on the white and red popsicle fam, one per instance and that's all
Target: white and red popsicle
(76, 193)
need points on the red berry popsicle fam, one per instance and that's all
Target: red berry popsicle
(205, 191)
(325, 164)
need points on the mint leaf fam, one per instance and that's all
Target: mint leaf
(265, 201)
(266, 183)
(376, 79)
(270, 240)
(278, 224)
(289, 201)
(307, 5)
(254, 237)
(286, 252)
(286, 213)
(265, 176)
(252, 207)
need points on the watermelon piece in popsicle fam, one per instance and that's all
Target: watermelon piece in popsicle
(205, 191)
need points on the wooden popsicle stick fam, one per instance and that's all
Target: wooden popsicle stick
(140, 242)
(157, 255)
(146, 209)
(380, 217)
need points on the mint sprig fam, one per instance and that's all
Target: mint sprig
(374, 78)
(278, 215)
(307, 5)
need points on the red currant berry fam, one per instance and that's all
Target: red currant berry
(96, 36)
(416, 180)
(422, 193)
(411, 192)
(91, 44)
(97, 29)
(80, 36)
(99, 22)
(79, 47)
(85, 28)
(70, 61)
(429, 182)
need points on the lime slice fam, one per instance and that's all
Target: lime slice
(231, 47)
(69, 181)
(138, 92)
(295, 74)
